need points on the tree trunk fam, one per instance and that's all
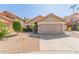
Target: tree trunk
(17, 33)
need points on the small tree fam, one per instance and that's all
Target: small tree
(16, 26)
(3, 30)
(35, 27)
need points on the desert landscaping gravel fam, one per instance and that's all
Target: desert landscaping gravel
(19, 44)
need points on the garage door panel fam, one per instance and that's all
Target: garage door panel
(50, 28)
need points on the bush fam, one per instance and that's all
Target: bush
(16, 26)
(27, 29)
(3, 30)
(35, 27)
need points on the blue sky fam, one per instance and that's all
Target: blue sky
(32, 10)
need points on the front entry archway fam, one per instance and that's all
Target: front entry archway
(69, 28)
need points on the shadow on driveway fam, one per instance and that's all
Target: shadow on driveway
(49, 36)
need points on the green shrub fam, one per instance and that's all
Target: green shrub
(78, 28)
(16, 26)
(27, 29)
(3, 30)
(35, 27)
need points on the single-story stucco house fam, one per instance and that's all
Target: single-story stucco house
(51, 24)
(48, 24)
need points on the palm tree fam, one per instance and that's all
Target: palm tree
(26, 19)
(73, 7)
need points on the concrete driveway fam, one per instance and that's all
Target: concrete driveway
(67, 42)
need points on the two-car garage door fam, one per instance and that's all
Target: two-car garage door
(55, 27)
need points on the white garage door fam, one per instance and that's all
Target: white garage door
(50, 28)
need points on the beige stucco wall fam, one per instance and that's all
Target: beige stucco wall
(51, 28)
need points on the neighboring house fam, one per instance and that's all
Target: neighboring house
(72, 20)
(8, 18)
(5, 19)
(35, 19)
(11, 15)
(25, 21)
(51, 24)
